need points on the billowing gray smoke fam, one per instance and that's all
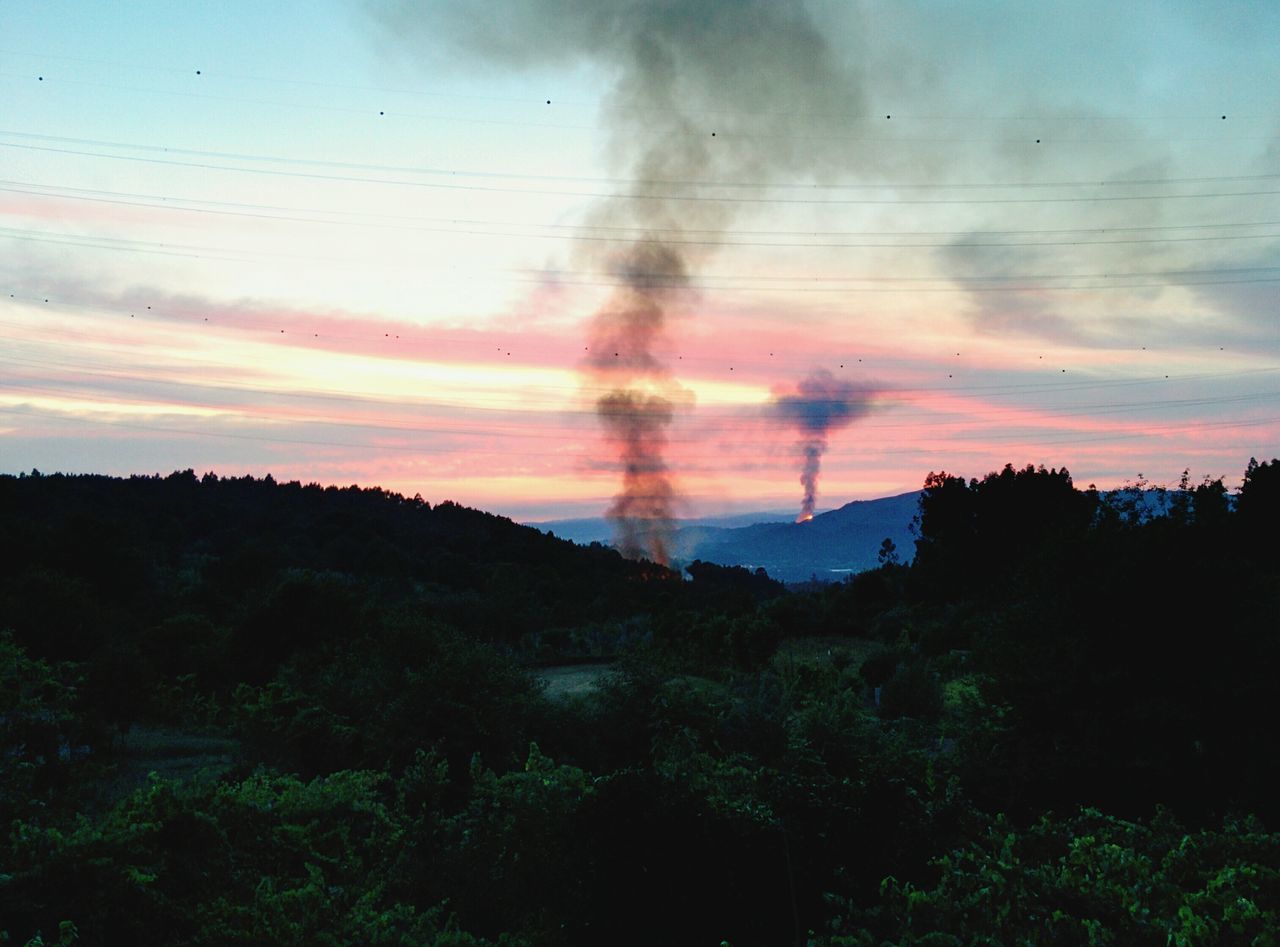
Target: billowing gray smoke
(820, 405)
(639, 405)
(637, 424)
(702, 91)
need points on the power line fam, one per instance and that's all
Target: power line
(704, 282)
(163, 203)
(623, 196)
(651, 182)
(739, 421)
(744, 421)
(413, 336)
(1149, 432)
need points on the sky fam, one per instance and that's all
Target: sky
(434, 246)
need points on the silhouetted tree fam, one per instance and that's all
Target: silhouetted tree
(1258, 506)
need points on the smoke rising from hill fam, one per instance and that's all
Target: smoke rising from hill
(702, 91)
(820, 405)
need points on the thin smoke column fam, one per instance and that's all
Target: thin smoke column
(820, 405)
(708, 104)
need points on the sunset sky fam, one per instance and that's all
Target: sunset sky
(361, 243)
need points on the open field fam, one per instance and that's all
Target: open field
(171, 753)
(573, 680)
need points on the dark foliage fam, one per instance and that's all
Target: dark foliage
(335, 693)
(1127, 651)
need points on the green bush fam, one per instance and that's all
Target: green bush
(1086, 879)
(913, 691)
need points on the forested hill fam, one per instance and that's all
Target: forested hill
(234, 711)
(251, 527)
(165, 590)
(86, 558)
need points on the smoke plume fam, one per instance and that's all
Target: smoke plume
(821, 404)
(639, 404)
(679, 115)
(637, 424)
(704, 95)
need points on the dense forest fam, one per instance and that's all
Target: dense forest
(236, 711)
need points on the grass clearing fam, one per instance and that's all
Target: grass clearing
(170, 753)
(566, 681)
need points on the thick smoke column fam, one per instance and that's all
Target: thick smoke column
(707, 97)
(637, 424)
(821, 404)
(639, 406)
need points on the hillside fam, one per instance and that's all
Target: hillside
(95, 566)
(252, 527)
(597, 529)
(829, 547)
(235, 711)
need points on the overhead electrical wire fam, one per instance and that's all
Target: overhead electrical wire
(633, 182)
(703, 282)
(895, 397)
(414, 336)
(743, 428)
(422, 449)
(168, 204)
(576, 230)
(628, 196)
(744, 282)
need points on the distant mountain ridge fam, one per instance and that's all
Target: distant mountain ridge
(829, 547)
(598, 529)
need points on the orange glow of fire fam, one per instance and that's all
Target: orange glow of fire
(804, 517)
